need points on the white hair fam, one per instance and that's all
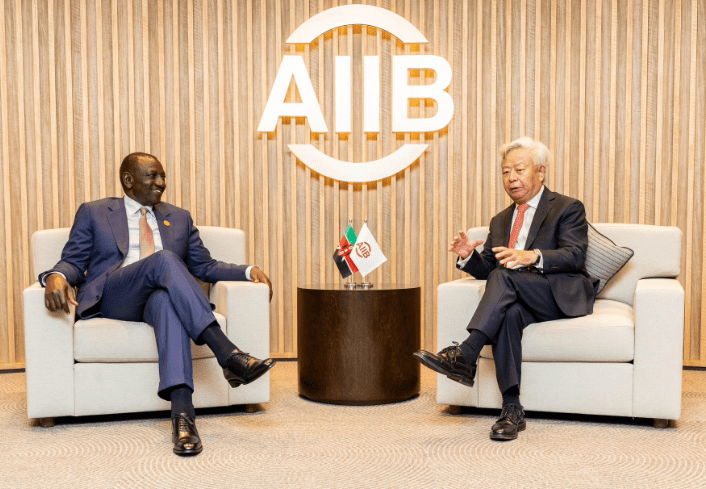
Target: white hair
(539, 152)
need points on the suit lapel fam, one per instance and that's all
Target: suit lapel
(165, 231)
(117, 218)
(545, 203)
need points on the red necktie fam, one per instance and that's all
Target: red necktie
(146, 236)
(519, 220)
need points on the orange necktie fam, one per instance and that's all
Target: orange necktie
(146, 236)
(519, 221)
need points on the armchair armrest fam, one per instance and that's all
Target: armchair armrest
(456, 303)
(659, 336)
(49, 352)
(246, 306)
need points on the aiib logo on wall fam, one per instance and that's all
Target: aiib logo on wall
(293, 67)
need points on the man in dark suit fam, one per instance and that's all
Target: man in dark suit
(533, 261)
(134, 259)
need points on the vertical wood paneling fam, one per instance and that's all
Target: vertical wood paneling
(641, 177)
(37, 103)
(117, 122)
(52, 117)
(7, 334)
(691, 162)
(627, 156)
(598, 104)
(566, 136)
(187, 80)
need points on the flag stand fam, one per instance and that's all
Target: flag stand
(368, 257)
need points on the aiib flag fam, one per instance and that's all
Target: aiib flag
(342, 255)
(366, 253)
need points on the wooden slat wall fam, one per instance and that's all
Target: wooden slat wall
(615, 88)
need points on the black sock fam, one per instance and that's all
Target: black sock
(218, 342)
(512, 396)
(181, 401)
(472, 346)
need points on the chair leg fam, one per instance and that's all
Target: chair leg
(455, 410)
(251, 408)
(46, 422)
(661, 423)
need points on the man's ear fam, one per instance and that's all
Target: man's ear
(127, 180)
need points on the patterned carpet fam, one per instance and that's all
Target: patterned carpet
(296, 443)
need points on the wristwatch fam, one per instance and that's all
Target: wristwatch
(539, 255)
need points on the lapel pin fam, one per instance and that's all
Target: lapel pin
(166, 223)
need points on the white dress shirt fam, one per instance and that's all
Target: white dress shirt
(132, 209)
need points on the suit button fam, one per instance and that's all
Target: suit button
(97, 297)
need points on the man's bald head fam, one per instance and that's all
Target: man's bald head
(143, 178)
(131, 162)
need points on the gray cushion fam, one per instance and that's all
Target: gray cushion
(604, 258)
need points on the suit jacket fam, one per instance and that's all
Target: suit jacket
(560, 231)
(98, 244)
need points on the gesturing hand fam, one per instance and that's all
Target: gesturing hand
(462, 246)
(258, 276)
(58, 293)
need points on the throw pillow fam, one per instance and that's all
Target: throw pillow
(604, 258)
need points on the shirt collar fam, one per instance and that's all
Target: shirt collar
(534, 201)
(133, 207)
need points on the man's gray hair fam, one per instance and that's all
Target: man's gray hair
(540, 153)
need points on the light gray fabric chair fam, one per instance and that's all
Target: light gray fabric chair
(625, 359)
(105, 366)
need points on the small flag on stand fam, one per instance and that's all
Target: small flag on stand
(342, 255)
(366, 254)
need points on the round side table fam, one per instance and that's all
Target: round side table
(355, 346)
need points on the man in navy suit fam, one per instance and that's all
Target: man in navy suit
(134, 259)
(533, 261)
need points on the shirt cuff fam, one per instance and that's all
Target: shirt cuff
(44, 278)
(247, 272)
(540, 261)
(460, 263)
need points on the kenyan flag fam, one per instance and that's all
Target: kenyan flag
(342, 255)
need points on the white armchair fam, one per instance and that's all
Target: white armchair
(105, 366)
(625, 359)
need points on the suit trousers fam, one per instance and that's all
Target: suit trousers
(513, 300)
(160, 291)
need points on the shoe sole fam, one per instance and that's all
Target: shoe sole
(237, 382)
(187, 453)
(440, 370)
(501, 437)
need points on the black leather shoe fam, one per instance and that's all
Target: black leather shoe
(241, 368)
(449, 362)
(511, 422)
(184, 435)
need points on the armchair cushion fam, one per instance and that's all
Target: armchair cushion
(102, 340)
(607, 335)
(604, 258)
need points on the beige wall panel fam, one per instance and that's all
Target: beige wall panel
(615, 88)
